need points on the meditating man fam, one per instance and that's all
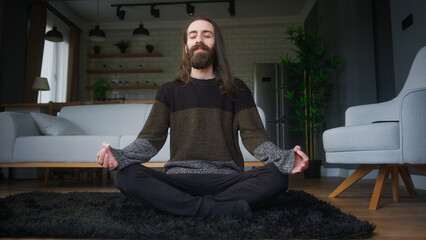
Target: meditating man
(204, 107)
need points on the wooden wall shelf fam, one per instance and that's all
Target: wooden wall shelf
(124, 55)
(154, 86)
(108, 71)
(134, 86)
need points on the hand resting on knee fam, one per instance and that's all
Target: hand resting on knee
(105, 158)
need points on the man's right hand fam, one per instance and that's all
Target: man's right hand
(106, 158)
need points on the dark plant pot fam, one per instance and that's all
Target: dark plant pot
(123, 50)
(150, 49)
(101, 99)
(96, 50)
(314, 169)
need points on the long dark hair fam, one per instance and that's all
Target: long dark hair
(224, 79)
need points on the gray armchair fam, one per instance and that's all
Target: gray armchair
(389, 135)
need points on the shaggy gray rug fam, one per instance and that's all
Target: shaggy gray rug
(294, 214)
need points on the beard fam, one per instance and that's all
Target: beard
(203, 59)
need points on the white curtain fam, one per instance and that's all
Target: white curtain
(55, 63)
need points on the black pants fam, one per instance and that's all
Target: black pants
(195, 194)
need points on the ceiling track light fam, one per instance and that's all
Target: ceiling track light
(120, 13)
(155, 12)
(190, 9)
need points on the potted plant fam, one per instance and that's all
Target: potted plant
(100, 88)
(122, 45)
(149, 47)
(309, 90)
(96, 49)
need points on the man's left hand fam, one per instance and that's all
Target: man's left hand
(301, 161)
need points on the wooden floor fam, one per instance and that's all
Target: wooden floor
(405, 219)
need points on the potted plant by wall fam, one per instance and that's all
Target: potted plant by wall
(96, 49)
(309, 90)
(122, 45)
(100, 89)
(149, 48)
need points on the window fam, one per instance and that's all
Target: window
(55, 63)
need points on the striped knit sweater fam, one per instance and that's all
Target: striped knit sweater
(204, 127)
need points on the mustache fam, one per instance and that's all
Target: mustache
(199, 45)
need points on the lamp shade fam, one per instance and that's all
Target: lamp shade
(97, 34)
(41, 84)
(54, 35)
(140, 33)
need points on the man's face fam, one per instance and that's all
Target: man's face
(200, 44)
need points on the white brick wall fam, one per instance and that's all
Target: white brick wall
(245, 44)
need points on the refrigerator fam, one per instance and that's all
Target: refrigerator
(268, 79)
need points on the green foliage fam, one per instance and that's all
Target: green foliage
(100, 88)
(149, 47)
(310, 85)
(122, 45)
(96, 49)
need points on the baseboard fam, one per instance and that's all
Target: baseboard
(419, 181)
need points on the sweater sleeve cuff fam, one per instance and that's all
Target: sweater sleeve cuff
(269, 153)
(139, 151)
(122, 160)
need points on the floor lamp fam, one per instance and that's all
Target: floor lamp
(40, 84)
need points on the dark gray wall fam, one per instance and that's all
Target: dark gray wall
(13, 51)
(383, 50)
(347, 31)
(408, 42)
(378, 54)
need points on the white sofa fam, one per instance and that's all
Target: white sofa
(22, 144)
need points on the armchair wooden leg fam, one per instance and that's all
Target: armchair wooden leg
(406, 178)
(379, 187)
(395, 183)
(353, 178)
(419, 167)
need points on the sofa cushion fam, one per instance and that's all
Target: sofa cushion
(54, 126)
(369, 137)
(107, 119)
(60, 148)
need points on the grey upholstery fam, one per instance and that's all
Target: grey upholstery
(392, 132)
(118, 124)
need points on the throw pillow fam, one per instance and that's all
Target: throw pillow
(55, 126)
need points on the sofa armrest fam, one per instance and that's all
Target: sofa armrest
(12, 126)
(367, 114)
(413, 126)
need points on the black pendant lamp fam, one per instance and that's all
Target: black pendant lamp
(97, 34)
(54, 35)
(140, 33)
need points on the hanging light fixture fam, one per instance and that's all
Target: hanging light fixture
(155, 12)
(190, 9)
(97, 34)
(54, 35)
(140, 33)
